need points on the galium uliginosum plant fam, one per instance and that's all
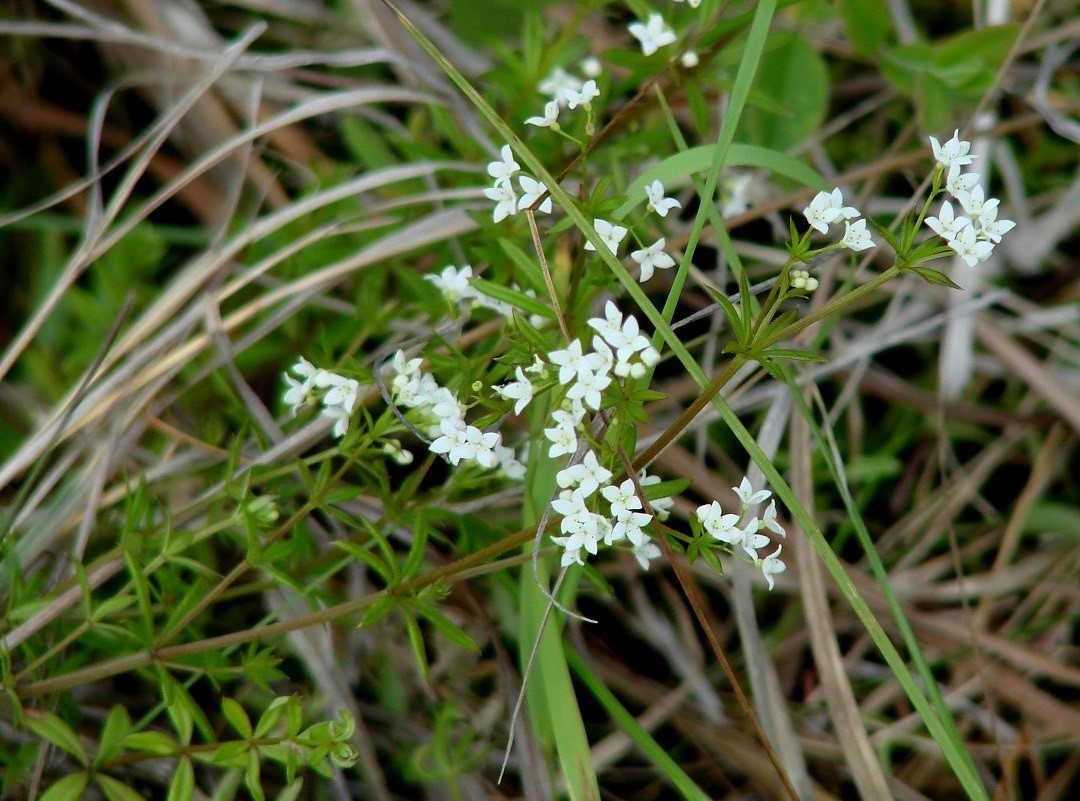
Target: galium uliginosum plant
(589, 384)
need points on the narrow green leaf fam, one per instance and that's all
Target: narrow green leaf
(51, 728)
(291, 792)
(69, 788)
(237, 717)
(182, 785)
(151, 742)
(253, 776)
(416, 643)
(117, 726)
(117, 791)
(936, 277)
(794, 353)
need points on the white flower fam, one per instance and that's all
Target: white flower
(652, 258)
(505, 201)
(826, 208)
(454, 283)
(531, 190)
(747, 495)
(629, 526)
(653, 34)
(583, 97)
(550, 118)
(558, 82)
(771, 565)
(953, 152)
(342, 391)
(769, 521)
(622, 498)
(801, 279)
(856, 237)
(299, 392)
(645, 553)
(587, 475)
(623, 335)
(946, 225)
(693, 3)
(520, 390)
(584, 528)
(591, 67)
(751, 540)
(611, 235)
(990, 227)
(969, 247)
(509, 464)
(689, 59)
(724, 527)
(340, 417)
(657, 202)
(503, 170)
(451, 441)
(572, 362)
(956, 182)
(562, 436)
(587, 388)
(973, 201)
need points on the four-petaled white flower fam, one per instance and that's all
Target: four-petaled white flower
(969, 247)
(572, 362)
(454, 283)
(503, 170)
(653, 34)
(587, 475)
(505, 201)
(645, 553)
(622, 498)
(826, 208)
(610, 234)
(953, 152)
(856, 237)
(957, 182)
(563, 435)
(724, 527)
(946, 224)
(652, 258)
(769, 521)
(657, 202)
(990, 227)
(746, 494)
(558, 82)
(550, 118)
(520, 390)
(772, 565)
(531, 190)
(583, 96)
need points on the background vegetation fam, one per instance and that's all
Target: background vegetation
(203, 597)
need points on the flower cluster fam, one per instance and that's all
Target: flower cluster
(337, 393)
(507, 201)
(443, 416)
(742, 530)
(565, 90)
(973, 234)
(827, 208)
